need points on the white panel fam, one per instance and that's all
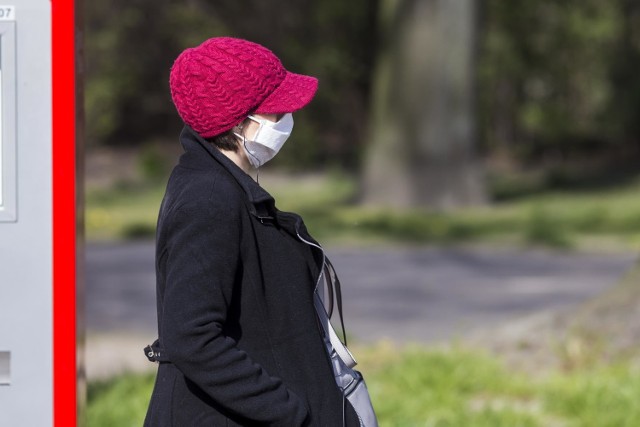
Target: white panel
(26, 237)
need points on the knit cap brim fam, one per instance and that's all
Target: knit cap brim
(295, 91)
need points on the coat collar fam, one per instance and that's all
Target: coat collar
(201, 154)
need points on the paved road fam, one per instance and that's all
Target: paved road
(408, 294)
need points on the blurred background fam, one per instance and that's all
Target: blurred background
(471, 166)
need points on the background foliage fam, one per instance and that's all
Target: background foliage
(556, 78)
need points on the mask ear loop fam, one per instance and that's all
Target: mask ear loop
(244, 144)
(244, 141)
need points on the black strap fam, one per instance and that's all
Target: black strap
(334, 282)
(155, 353)
(329, 287)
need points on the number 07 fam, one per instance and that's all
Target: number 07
(6, 13)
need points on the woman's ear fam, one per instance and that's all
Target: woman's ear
(240, 127)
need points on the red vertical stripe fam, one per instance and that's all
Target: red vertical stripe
(64, 213)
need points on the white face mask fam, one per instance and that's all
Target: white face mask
(268, 140)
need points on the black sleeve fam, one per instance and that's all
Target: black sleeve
(202, 260)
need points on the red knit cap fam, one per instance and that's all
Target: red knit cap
(218, 84)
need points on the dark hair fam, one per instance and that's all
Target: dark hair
(225, 141)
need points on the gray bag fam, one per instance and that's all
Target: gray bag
(349, 380)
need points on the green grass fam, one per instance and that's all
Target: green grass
(120, 401)
(597, 218)
(605, 397)
(444, 388)
(122, 212)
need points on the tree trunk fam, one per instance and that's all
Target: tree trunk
(422, 145)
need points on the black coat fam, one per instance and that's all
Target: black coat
(235, 305)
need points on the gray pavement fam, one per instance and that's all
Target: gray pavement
(417, 294)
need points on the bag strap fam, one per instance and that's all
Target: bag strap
(327, 298)
(342, 351)
(331, 281)
(334, 282)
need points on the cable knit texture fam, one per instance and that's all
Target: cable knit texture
(217, 84)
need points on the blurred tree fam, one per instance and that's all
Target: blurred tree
(423, 139)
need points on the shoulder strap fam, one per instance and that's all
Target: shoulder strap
(331, 281)
(342, 351)
(334, 282)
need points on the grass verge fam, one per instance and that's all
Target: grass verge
(459, 387)
(599, 218)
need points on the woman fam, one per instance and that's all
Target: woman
(239, 343)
